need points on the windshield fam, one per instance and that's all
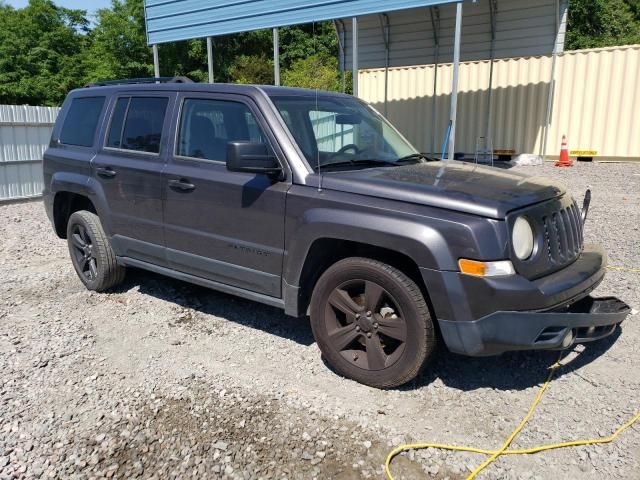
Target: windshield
(336, 132)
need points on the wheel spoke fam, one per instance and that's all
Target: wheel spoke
(77, 241)
(341, 337)
(83, 234)
(392, 327)
(93, 270)
(341, 300)
(376, 358)
(372, 295)
(83, 263)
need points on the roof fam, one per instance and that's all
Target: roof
(173, 20)
(231, 88)
(523, 28)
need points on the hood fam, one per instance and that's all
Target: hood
(479, 190)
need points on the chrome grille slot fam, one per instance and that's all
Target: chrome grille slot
(563, 235)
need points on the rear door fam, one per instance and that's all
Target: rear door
(129, 169)
(221, 225)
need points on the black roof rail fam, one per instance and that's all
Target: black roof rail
(131, 81)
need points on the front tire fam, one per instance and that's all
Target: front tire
(93, 258)
(371, 322)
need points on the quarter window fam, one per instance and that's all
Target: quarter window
(206, 126)
(81, 122)
(137, 124)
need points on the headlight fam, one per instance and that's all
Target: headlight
(522, 238)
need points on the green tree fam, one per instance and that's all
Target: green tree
(118, 45)
(316, 71)
(255, 69)
(602, 23)
(39, 50)
(303, 41)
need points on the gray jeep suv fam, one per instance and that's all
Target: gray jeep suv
(312, 202)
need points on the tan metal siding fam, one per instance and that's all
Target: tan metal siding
(596, 103)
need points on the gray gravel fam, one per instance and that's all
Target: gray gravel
(162, 379)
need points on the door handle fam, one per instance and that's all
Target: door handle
(182, 185)
(106, 172)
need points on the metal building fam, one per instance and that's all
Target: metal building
(376, 33)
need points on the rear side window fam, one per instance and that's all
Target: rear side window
(81, 122)
(136, 124)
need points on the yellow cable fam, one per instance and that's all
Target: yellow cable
(624, 269)
(494, 454)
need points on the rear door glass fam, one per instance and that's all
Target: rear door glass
(81, 121)
(117, 122)
(137, 123)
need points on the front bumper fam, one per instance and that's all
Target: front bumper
(586, 320)
(488, 316)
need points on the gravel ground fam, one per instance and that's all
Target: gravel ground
(164, 379)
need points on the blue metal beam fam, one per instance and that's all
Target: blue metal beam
(173, 20)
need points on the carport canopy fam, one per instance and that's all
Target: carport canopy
(426, 31)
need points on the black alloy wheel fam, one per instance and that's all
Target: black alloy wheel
(91, 254)
(371, 322)
(365, 324)
(83, 253)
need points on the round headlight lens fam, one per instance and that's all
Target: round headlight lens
(522, 238)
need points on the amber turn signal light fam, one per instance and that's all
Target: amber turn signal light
(486, 269)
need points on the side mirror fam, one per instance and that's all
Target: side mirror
(252, 157)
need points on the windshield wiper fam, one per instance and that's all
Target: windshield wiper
(373, 162)
(411, 157)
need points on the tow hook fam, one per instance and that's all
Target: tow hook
(585, 205)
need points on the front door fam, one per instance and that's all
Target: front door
(220, 225)
(129, 169)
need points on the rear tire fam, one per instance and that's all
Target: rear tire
(91, 254)
(372, 323)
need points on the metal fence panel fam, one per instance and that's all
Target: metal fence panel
(596, 102)
(24, 135)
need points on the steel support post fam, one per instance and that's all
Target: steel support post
(354, 24)
(210, 58)
(386, 38)
(276, 57)
(435, 26)
(156, 61)
(454, 82)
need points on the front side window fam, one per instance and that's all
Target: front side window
(81, 122)
(342, 131)
(136, 124)
(206, 126)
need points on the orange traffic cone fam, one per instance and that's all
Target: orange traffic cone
(564, 160)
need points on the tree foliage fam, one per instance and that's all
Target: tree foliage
(602, 23)
(46, 50)
(255, 69)
(39, 50)
(117, 45)
(315, 71)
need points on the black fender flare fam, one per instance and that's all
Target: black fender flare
(423, 243)
(86, 186)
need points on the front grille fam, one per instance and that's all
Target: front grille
(563, 236)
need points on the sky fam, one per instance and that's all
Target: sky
(89, 5)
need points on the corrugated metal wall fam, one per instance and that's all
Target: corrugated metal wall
(24, 136)
(523, 28)
(596, 103)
